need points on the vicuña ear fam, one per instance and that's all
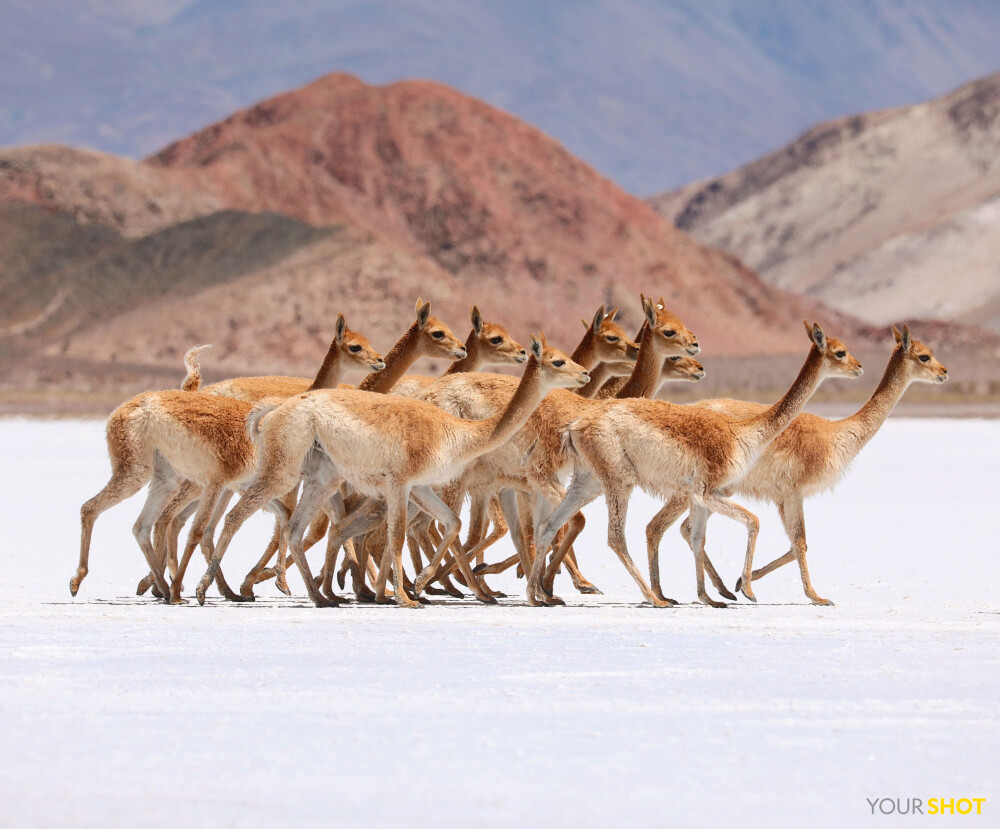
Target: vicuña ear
(477, 320)
(584, 323)
(809, 329)
(897, 335)
(612, 313)
(649, 311)
(341, 328)
(661, 304)
(905, 341)
(542, 337)
(818, 337)
(598, 319)
(536, 347)
(423, 313)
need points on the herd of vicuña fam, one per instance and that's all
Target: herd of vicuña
(389, 463)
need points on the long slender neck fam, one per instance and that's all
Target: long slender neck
(861, 426)
(403, 355)
(773, 421)
(492, 432)
(645, 376)
(328, 376)
(598, 374)
(472, 361)
(585, 353)
(611, 388)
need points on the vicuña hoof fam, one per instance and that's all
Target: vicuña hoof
(823, 602)
(724, 592)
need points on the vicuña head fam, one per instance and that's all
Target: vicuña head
(837, 360)
(496, 346)
(556, 369)
(919, 362)
(355, 350)
(669, 332)
(682, 368)
(437, 339)
(610, 342)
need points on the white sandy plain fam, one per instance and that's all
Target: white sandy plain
(116, 710)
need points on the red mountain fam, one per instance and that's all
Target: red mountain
(505, 208)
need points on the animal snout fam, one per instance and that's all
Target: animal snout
(459, 353)
(694, 348)
(378, 365)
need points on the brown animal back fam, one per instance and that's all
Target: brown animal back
(219, 422)
(255, 389)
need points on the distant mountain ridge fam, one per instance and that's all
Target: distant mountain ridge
(651, 94)
(881, 215)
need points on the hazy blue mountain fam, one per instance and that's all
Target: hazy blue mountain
(654, 94)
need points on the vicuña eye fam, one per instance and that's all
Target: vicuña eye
(670, 333)
(924, 358)
(437, 335)
(558, 363)
(612, 339)
(354, 349)
(496, 340)
(840, 355)
(675, 359)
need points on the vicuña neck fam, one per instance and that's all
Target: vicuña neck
(645, 376)
(472, 361)
(328, 376)
(403, 355)
(585, 353)
(492, 432)
(861, 427)
(773, 421)
(598, 375)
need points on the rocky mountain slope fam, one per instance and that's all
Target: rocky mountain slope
(493, 201)
(254, 233)
(883, 215)
(651, 94)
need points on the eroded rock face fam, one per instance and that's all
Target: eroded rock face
(96, 188)
(884, 215)
(520, 222)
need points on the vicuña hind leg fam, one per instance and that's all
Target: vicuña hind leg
(431, 502)
(397, 499)
(582, 490)
(167, 528)
(128, 476)
(160, 490)
(706, 561)
(655, 529)
(793, 519)
(723, 506)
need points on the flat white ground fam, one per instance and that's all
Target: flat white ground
(116, 710)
